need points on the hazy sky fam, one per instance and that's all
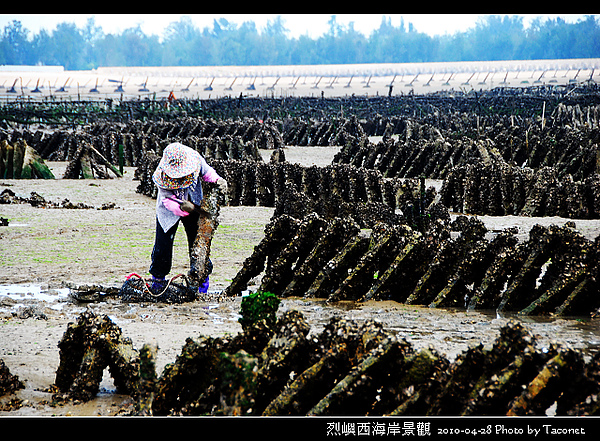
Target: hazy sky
(312, 25)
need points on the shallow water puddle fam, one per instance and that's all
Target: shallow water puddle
(219, 317)
(450, 330)
(28, 293)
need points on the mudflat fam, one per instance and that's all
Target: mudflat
(42, 249)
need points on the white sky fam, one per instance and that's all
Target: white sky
(313, 25)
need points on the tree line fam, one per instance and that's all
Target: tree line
(226, 44)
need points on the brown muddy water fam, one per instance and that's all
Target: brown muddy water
(41, 249)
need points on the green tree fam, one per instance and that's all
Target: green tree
(228, 48)
(303, 50)
(138, 49)
(92, 35)
(340, 45)
(389, 44)
(586, 38)
(273, 44)
(498, 38)
(179, 42)
(108, 52)
(15, 47)
(352, 46)
(67, 46)
(41, 49)
(492, 38)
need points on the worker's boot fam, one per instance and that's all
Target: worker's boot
(158, 284)
(203, 288)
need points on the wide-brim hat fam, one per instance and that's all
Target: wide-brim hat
(178, 167)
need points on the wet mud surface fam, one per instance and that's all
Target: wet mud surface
(45, 247)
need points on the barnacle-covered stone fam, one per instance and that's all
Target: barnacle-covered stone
(280, 271)
(419, 383)
(278, 233)
(348, 368)
(381, 250)
(305, 391)
(144, 395)
(337, 268)
(548, 386)
(208, 222)
(553, 271)
(499, 189)
(19, 160)
(357, 391)
(86, 349)
(187, 378)
(287, 353)
(9, 383)
(328, 244)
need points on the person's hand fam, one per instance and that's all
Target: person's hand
(222, 183)
(187, 206)
(174, 207)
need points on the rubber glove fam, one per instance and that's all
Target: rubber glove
(187, 206)
(173, 207)
(222, 183)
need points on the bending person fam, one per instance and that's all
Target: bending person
(179, 178)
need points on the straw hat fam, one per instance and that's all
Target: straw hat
(178, 167)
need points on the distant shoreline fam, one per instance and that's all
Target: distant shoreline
(332, 80)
